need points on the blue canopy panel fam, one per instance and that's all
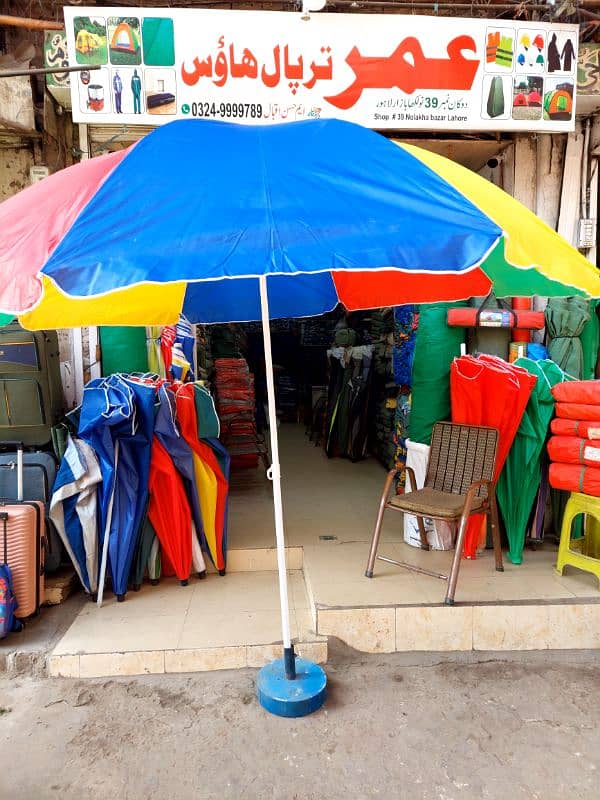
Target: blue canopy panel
(239, 300)
(198, 199)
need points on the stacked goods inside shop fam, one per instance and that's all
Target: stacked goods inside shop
(574, 447)
(236, 405)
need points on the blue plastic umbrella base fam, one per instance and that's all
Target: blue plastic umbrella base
(291, 698)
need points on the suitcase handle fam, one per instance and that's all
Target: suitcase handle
(19, 447)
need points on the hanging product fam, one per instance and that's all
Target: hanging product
(348, 398)
(590, 342)
(520, 478)
(566, 318)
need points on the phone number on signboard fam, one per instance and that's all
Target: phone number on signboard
(226, 110)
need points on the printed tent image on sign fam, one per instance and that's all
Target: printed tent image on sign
(124, 41)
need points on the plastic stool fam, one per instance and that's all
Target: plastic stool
(582, 553)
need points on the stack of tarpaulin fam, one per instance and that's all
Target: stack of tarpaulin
(143, 484)
(574, 447)
(236, 404)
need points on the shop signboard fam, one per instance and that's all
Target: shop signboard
(382, 71)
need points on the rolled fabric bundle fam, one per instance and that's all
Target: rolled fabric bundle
(468, 318)
(575, 478)
(575, 427)
(578, 411)
(587, 392)
(573, 450)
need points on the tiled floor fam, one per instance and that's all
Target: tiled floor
(230, 621)
(234, 621)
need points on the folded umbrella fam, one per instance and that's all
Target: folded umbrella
(74, 509)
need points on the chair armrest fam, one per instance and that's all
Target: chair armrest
(413, 480)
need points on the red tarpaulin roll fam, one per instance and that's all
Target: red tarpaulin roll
(580, 411)
(467, 318)
(575, 427)
(587, 392)
(575, 478)
(489, 391)
(572, 450)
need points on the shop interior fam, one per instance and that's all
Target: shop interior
(357, 395)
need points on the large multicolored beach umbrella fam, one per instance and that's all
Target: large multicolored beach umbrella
(233, 223)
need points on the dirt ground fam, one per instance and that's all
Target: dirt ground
(519, 727)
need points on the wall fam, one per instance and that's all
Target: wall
(14, 169)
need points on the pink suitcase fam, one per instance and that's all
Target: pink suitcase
(22, 542)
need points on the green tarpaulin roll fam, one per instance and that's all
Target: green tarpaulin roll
(436, 346)
(566, 318)
(520, 478)
(123, 349)
(590, 341)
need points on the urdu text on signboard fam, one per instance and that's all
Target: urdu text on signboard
(261, 67)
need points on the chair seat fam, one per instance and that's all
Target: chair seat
(433, 503)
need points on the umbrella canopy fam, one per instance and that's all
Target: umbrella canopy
(326, 201)
(520, 479)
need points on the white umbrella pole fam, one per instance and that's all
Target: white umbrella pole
(274, 475)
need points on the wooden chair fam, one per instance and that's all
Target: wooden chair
(459, 482)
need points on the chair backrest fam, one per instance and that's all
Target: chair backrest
(460, 455)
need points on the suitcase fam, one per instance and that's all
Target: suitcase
(22, 530)
(39, 473)
(30, 385)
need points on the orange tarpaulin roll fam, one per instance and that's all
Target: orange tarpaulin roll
(575, 478)
(587, 392)
(578, 411)
(575, 427)
(573, 450)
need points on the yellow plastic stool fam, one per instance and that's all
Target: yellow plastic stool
(582, 553)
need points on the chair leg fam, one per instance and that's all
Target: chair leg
(378, 524)
(496, 532)
(423, 534)
(460, 541)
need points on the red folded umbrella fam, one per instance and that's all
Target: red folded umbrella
(170, 512)
(186, 414)
(488, 391)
